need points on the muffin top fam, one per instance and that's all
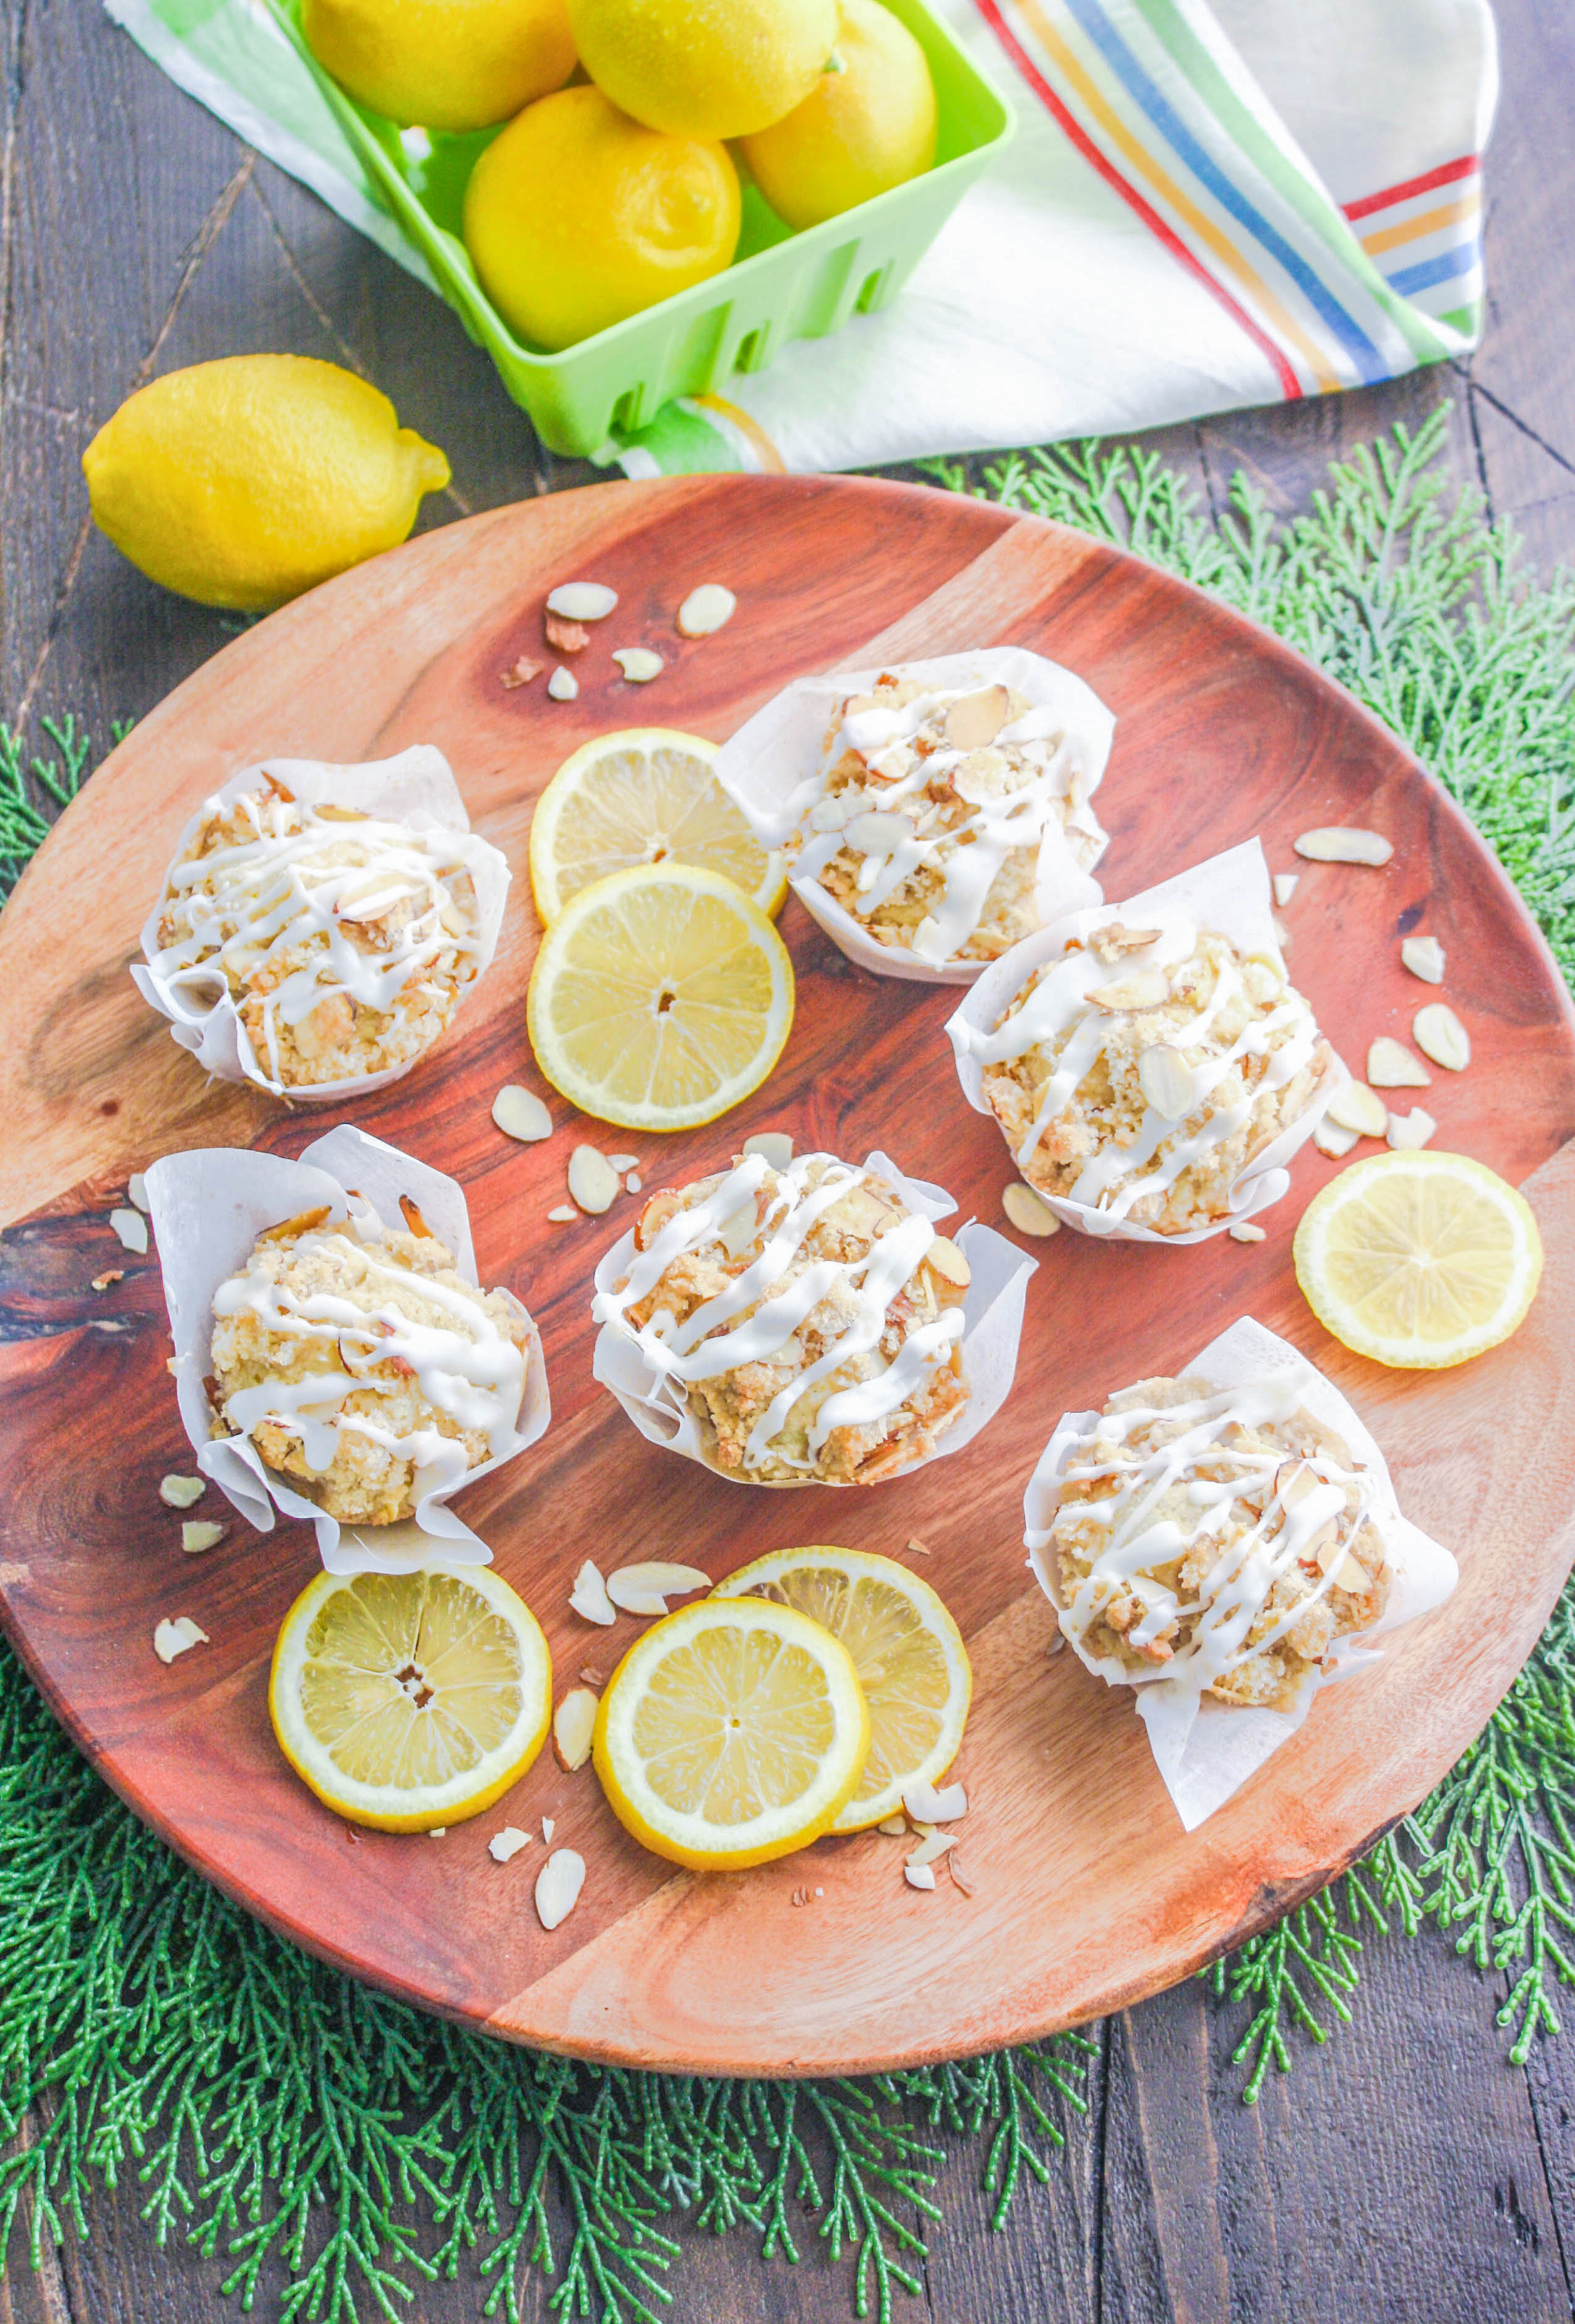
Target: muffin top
(807, 1318)
(1223, 1537)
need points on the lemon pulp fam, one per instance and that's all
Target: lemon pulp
(647, 796)
(732, 1732)
(660, 997)
(411, 1700)
(1419, 1259)
(907, 1649)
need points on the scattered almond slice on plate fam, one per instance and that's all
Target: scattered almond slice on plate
(1028, 1212)
(563, 1215)
(520, 673)
(1391, 1065)
(557, 1886)
(505, 1845)
(1424, 957)
(1354, 1106)
(1408, 1131)
(548, 1826)
(180, 1492)
(918, 1875)
(706, 610)
(932, 1848)
(178, 1638)
(926, 1804)
(574, 1725)
(774, 1145)
(639, 664)
(592, 1180)
(1285, 886)
(1244, 1230)
(563, 636)
(133, 1230)
(1336, 844)
(1329, 1138)
(589, 1596)
(1440, 1035)
(563, 685)
(136, 1191)
(198, 1534)
(645, 1589)
(581, 601)
(519, 1113)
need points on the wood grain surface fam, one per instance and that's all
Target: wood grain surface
(1221, 734)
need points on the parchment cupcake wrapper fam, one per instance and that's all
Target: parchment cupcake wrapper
(208, 1209)
(416, 787)
(773, 767)
(1229, 893)
(1205, 1750)
(993, 1308)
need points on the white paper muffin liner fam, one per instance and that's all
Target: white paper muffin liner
(1204, 1749)
(992, 1310)
(417, 788)
(208, 1209)
(776, 764)
(1230, 894)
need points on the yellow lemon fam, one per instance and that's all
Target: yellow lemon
(1419, 1259)
(647, 796)
(241, 483)
(704, 68)
(576, 217)
(410, 1701)
(732, 1732)
(447, 64)
(868, 124)
(907, 1649)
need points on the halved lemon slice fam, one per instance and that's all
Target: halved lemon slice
(907, 1649)
(644, 796)
(660, 997)
(408, 1701)
(1419, 1259)
(733, 1731)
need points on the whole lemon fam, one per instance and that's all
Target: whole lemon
(869, 124)
(704, 68)
(241, 483)
(576, 217)
(447, 64)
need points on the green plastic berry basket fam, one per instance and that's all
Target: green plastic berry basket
(781, 286)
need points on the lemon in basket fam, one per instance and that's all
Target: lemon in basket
(1419, 1259)
(660, 997)
(647, 796)
(868, 124)
(704, 68)
(732, 1732)
(907, 1649)
(447, 64)
(410, 1701)
(242, 482)
(576, 217)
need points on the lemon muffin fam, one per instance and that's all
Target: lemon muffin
(1142, 1069)
(362, 1366)
(937, 810)
(345, 941)
(1224, 1538)
(807, 1319)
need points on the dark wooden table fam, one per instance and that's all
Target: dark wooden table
(1409, 2174)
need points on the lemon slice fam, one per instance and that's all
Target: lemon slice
(1419, 1259)
(907, 1649)
(646, 796)
(733, 1731)
(410, 1700)
(660, 997)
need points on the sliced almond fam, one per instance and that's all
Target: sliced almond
(521, 672)
(581, 601)
(589, 1596)
(944, 1257)
(932, 1848)
(926, 1804)
(520, 1113)
(645, 1589)
(557, 1886)
(198, 1534)
(1322, 1544)
(1424, 957)
(918, 1549)
(564, 1214)
(1410, 1130)
(573, 1723)
(565, 637)
(1114, 940)
(133, 1230)
(111, 1274)
(178, 1638)
(1147, 990)
(775, 1145)
(639, 664)
(1294, 1481)
(918, 1875)
(706, 610)
(954, 1867)
(1028, 1212)
(303, 1222)
(1353, 1575)
(1440, 1035)
(1391, 1065)
(548, 1826)
(505, 1845)
(632, 1184)
(1244, 1230)
(136, 1191)
(411, 1214)
(1335, 844)
(563, 685)
(181, 1493)
(894, 1827)
(1285, 886)
(1331, 1139)
(975, 719)
(592, 1180)
(1167, 1081)
(1355, 1106)
(623, 1161)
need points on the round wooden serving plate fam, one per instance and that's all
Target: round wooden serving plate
(1087, 1893)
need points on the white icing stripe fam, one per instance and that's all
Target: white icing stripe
(719, 1335)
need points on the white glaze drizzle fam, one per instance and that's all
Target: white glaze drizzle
(893, 840)
(719, 1335)
(1235, 1591)
(1061, 1001)
(277, 888)
(470, 1371)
